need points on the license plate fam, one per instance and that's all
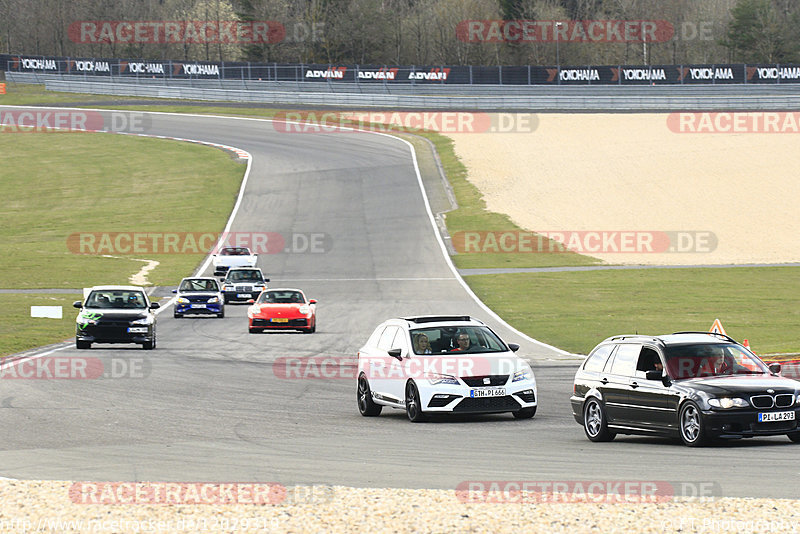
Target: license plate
(198, 305)
(243, 295)
(279, 320)
(775, 416)
(487, 392)
(137, 330)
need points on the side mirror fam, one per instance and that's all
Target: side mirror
(395, 353)
(251, 301)
(312, 301)
(154, 305)
(513, 346)
(654, 375)
(266, 279)
(174, 290)
(77, 304)
(775, 368)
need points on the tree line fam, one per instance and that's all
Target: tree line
(421, 32)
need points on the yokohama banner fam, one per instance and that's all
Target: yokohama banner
(389, 74)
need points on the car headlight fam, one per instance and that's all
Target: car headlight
(728, 402)
(83, 320)
(182, 300)
(142, 322)
(213, 300)
(523, 374)
(442, 379)
(305, 309)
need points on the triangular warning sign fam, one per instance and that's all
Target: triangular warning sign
(717, 328)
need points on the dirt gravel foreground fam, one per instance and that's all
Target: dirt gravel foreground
(733, 193)
(36, 506)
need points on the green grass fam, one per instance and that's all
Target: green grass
(577, 310)
(59, 184)
(19, 331)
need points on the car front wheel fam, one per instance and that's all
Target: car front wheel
(413, 404)
(366, 406)
(525, 413)
(693, 432)
(794, 436)
(594, 422)
(83, 344)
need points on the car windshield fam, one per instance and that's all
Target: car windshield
(455, 339)
(199, 284)
(705, 360)
(242, 276)
(116, 298)
(281, 297)
(234, 251)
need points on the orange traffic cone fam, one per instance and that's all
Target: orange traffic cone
(747, 346)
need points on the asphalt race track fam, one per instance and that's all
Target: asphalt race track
(209, 405)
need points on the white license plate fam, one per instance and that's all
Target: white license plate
(198, 305)
(137, 330)
(775, 416)
(243, 295)
(487, 392)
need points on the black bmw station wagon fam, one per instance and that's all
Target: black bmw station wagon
(697, 386)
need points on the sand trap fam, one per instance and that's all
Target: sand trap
(630, 172)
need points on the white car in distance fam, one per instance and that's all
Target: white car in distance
(231, 257)
(442, 364)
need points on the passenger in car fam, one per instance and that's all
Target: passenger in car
(422, 344)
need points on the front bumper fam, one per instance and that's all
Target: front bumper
(290, 324)
(451, 398)
(100, 333)
(744, 423)
(241, 296)
(190, 308)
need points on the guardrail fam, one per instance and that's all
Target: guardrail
(576, 99)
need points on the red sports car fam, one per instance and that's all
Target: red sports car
(282, 309)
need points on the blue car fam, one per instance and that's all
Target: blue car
(199, 296)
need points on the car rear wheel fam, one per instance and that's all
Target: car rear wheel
(594, 422)
(83, 344)
(366, 406)
(693, 432)
(794, 436)
(525, 413)
(413, 404)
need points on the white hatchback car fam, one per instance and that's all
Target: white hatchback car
(442, 364)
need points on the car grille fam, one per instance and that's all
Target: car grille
(527, 397)
(198, 299)
(244, 289)
(292, 322)
(783, 400)
(477, 381)
(487, 404)
(444, 400)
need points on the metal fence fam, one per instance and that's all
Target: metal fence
(578, 99)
